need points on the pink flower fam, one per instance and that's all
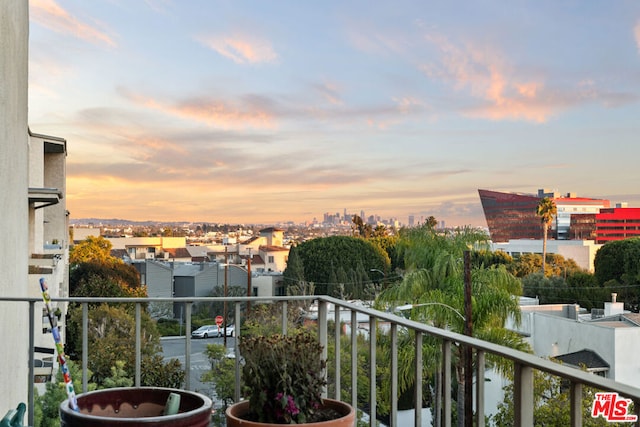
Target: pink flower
(291, 406)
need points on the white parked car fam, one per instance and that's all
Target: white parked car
(206, 331)
(230, 330)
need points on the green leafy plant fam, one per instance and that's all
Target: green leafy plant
(283, 378)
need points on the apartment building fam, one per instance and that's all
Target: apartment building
(34, 216)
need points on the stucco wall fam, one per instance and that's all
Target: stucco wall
(627, 369)
(619, 346)
(581, 251)
(14, 250)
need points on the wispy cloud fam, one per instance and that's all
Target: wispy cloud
(330, 92)
(636, 33)
(249, 113)
(158, 6)
(369, 41)
(51, 15)
(243, 49)
(408, 104)
(487, 76)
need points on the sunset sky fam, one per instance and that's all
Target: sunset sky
(267, 111)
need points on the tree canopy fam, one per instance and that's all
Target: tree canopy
(322, 260)
(434, 284)
(617, 267)
(95, 273)
(92, 249)
(620, 261)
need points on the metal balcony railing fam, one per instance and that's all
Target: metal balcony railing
(524, 363)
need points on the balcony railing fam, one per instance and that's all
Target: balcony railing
(524, 364)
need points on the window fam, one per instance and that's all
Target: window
(271, 259)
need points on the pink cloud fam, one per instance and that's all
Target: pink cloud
(51, 15)
(243, 49)
(485, 74)
(636, 33)
(330, 92)
(212, 112)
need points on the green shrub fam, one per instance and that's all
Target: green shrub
(169, 327)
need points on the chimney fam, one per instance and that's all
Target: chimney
(614, 307)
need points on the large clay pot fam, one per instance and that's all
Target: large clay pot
(236, 411)
(136, 406)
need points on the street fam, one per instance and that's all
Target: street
(173, 348)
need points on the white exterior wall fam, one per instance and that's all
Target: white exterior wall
(627, 348)
(583, 252)
(81, 233)
(14, 245)
(279, 263)
(618, 346)
(265, 283)
(151, 242)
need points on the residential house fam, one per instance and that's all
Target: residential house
(267, 246)
(157, 276)
(148, 247)
(200, 279)
(604, 342)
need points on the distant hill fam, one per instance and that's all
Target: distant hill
(96, 222)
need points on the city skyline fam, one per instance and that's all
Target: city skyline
(267, 112)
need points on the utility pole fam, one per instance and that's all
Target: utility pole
(224, 315)
(468, 351)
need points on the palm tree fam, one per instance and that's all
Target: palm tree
(435, 279)
(546, 210)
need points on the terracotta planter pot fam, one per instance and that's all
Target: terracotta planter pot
(236, 411)
(136, 406)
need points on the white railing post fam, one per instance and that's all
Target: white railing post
(480, 367)
(523, 395)
(418, 381)
(85, 347)
(138, 345)
(394, 375)
(322, 335)
(285, 319)
(236, 331)
(576, 404)
(372, 370)
(187, 345)
(336, 353)
(354, 358)
(446, 383)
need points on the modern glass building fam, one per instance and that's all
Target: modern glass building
(513, 216)
(510, 215)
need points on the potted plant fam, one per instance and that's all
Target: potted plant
(283, 379)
